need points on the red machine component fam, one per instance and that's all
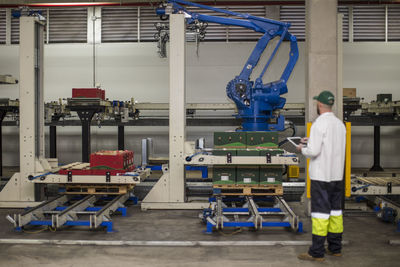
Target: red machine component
(114, 162)
(89, 93)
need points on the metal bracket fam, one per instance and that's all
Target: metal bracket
(389, 187)
(69, 176)
(69, 213)
(229, 157)
(291, 216)
(104, 214)
(220, 217)
(108, 177)
(257, 218)
(36, 213)
(268, 156)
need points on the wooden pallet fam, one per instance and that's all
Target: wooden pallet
(98, 189)
(380, 180)
(248, 190)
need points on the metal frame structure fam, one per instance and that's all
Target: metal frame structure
(216, 217)
(19, 191)
(169, 191)
(86, 113)
(55, 214)
(6, 106)
(7, 79)
(204, 160)
(375, 186)
(125, 179)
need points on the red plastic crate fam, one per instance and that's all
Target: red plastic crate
(114, 162)
(119, 159)
(89, 93)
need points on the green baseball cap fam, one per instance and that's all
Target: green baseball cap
(325, 97)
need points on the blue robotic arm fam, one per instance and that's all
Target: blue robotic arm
(258, 103)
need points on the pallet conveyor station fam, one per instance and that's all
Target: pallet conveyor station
(89, 193)
(247, 171)
(250, 214)
(96, 189)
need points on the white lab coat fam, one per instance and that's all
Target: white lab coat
(326, 148)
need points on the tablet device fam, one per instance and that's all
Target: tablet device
(294, 140)
(291, 144)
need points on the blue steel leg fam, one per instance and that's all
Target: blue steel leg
(109, 226)
(18, 229)
(300, 229)
(204, 172)
(209, 228)
(134, 200)
(123, 210)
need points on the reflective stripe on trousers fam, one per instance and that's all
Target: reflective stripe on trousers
(323, 223)
(336, 224)
(320, 226)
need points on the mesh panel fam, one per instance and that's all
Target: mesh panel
(68, 25)
(2, 26)
(393, 23)
(296, 16)
(119, 24)
(369, 23)
(148, 18)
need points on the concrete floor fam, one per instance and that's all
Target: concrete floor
(368, 246)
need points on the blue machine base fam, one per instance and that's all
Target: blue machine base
(210, 226)
(108, 224)
(203, 169)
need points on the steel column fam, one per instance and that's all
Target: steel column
(169, 191)
(377, 150)
(53, 141)
(53, 136)
(20, 191)
(121, 137)
(2, 115)
(86, 117)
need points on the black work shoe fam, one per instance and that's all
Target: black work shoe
(308, 257)
(333, 254)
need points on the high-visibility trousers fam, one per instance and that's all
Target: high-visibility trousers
(326, 216)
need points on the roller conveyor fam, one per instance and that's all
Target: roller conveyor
(72, 210)
(375, 186)
(219, 215)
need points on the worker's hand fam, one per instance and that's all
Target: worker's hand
(304, 140)
(299, 147)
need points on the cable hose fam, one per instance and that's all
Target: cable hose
(230, 234)
(36, 232)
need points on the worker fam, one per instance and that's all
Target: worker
(326, 150)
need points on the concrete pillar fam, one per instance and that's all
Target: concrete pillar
(322, 62)
(339, 92)
(321, 53)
